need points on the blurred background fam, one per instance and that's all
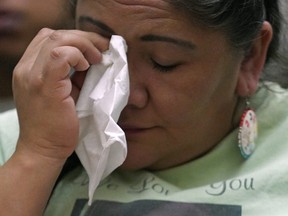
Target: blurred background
(20, 21)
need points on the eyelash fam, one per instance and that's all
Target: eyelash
(163, 68)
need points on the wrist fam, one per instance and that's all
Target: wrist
(32, 159)
(27, 179)
(42, 149)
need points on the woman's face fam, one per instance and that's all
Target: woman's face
(183, 80)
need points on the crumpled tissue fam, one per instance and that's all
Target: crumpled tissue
(102, 144)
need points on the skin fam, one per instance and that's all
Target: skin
(174, 114)
(20, 21)
(168, 119)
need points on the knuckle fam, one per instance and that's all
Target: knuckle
(55, 53)
(59, 60)
(16, 75)
(45, 32)
(55, 35)
(64, 53)
(59, 54)
(19, 70)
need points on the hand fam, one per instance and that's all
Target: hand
(42, 89)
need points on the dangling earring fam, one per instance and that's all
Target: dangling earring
(247, 131)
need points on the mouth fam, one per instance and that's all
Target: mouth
(10, 22)
(131, 130)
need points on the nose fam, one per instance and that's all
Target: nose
(139, 96)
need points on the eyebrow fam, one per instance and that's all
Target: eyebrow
(97, 23)
(176, 41)
(146, 38)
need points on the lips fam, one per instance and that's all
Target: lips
(133, 129)
(9, 22)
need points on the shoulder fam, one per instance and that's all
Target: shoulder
(272, 116)
(9, 132)
(271, 104)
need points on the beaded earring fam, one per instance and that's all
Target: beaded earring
(247, 131)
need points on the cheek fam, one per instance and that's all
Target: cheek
(178, 101)
(184, 99)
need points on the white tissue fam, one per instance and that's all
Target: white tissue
(102, 144)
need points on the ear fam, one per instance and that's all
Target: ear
(253, 62)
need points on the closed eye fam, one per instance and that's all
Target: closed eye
(163, 68)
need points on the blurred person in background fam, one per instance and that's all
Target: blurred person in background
(20, 21)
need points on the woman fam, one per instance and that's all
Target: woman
(192, 64)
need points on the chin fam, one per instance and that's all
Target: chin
(138, 164)
(133, 163)
(129, 165)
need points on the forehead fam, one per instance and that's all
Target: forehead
(134, 18)
(127, 4)
(135, 10)
(127, 15)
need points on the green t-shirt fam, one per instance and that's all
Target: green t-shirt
(219, 183)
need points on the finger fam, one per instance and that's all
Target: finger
(57, 69)
(88, 43)
(101, 42)
(78, 79)
(33, 48)
(66, 57)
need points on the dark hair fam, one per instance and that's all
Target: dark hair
(240, 20)
(277, 69)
